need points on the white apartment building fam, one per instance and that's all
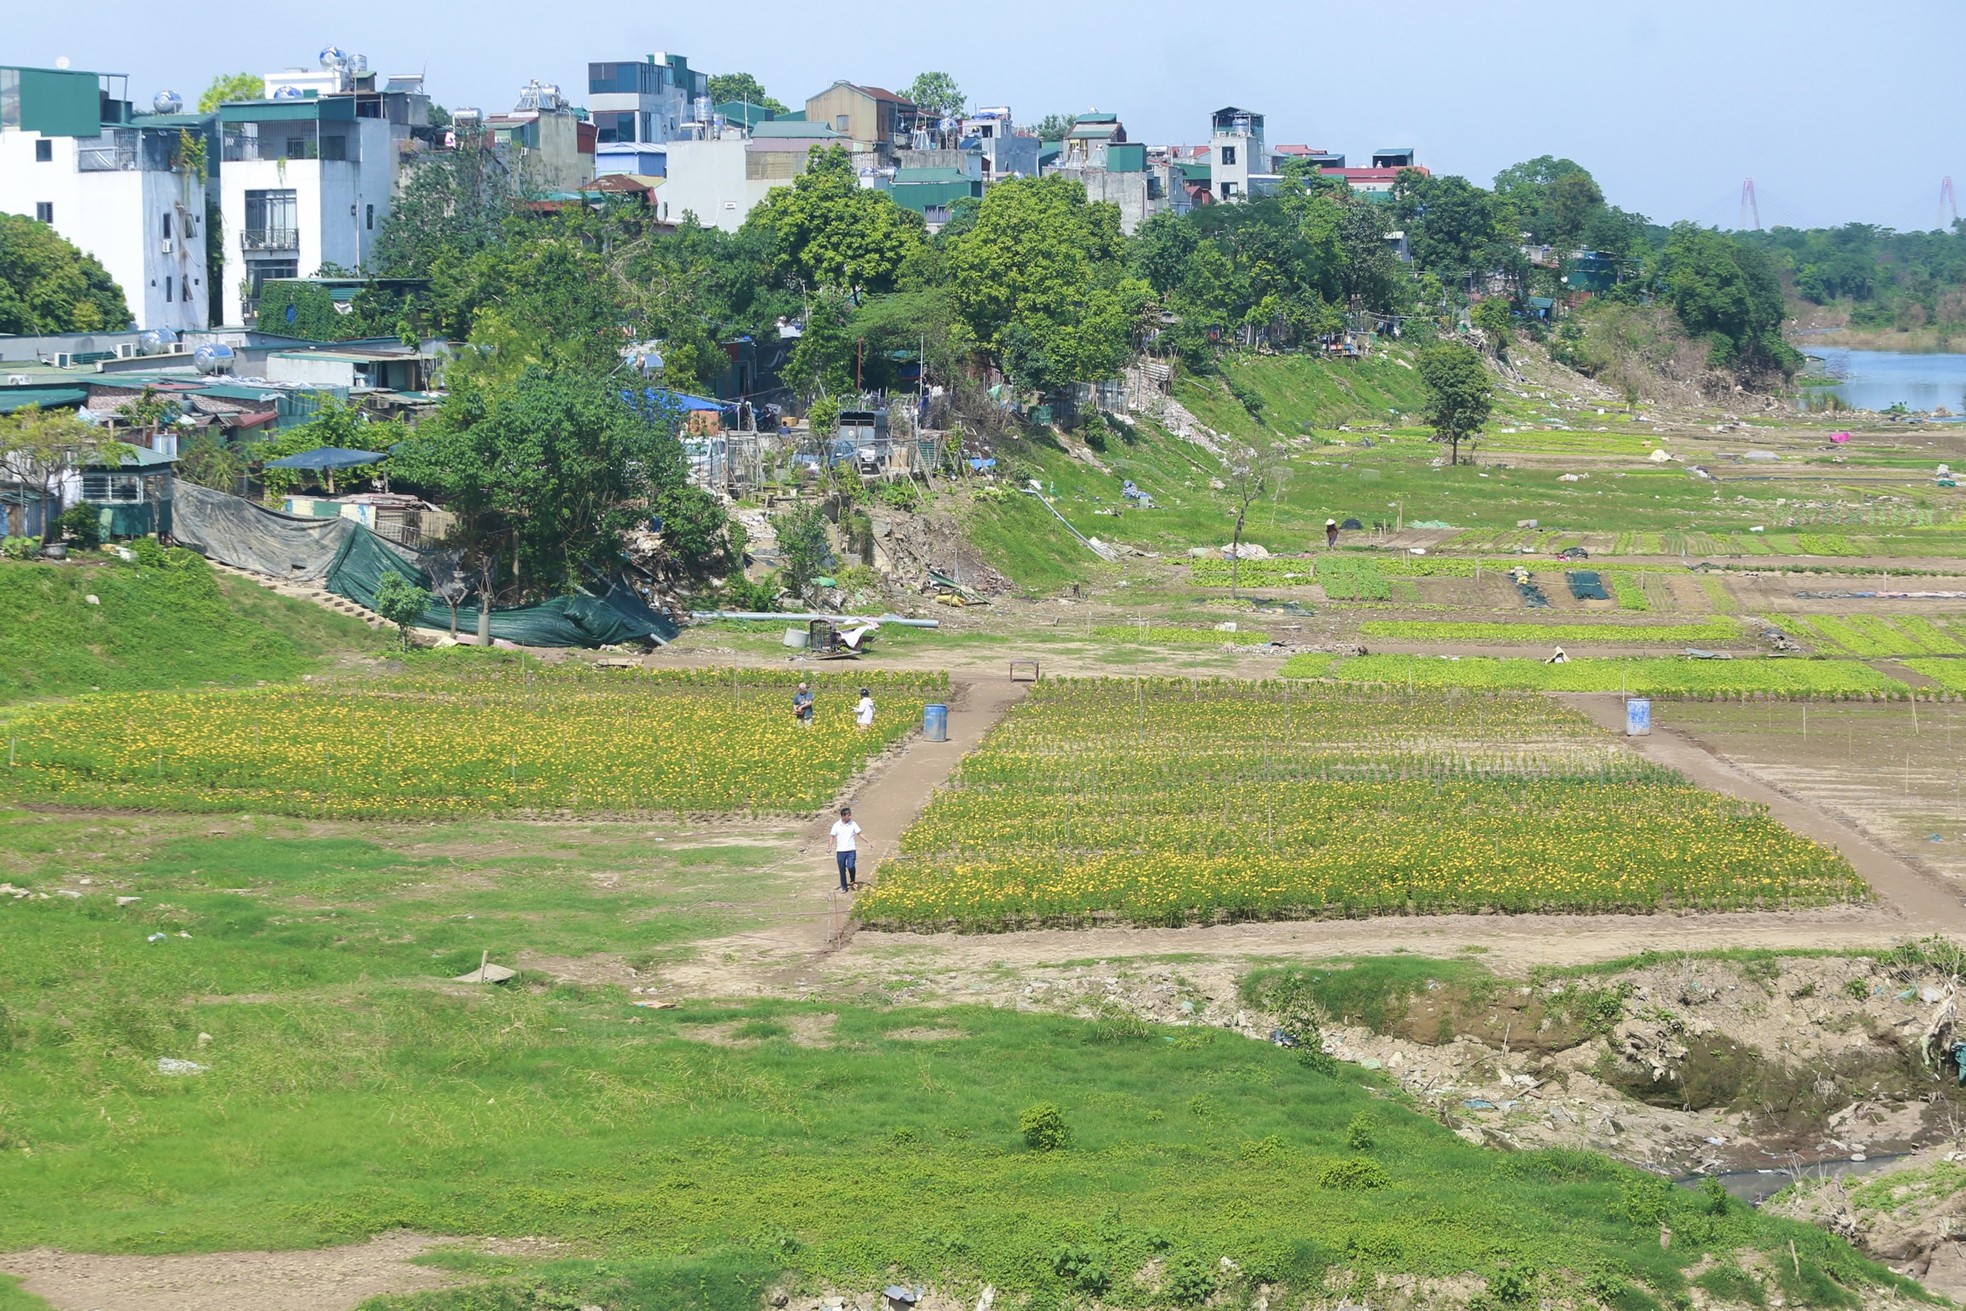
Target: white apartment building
(1236, 152)
(308, 174)
(117, 185)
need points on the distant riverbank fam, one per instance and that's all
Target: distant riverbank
(1920, 341)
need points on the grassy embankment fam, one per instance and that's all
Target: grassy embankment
(690, 1157)
(177, 625)
(1626, 505)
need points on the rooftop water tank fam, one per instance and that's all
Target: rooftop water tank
(213, 357)
(156, 341)
(167, 102)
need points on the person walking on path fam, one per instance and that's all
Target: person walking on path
(863, 713)
(846, 849)
(802, 706)
(1330, 533)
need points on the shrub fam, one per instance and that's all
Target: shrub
(1188, 1281)
(81, 524)
(1084, 1270)
(1044, 1128)
(19, 548)
(1362, 1133)
(401, 602)
(1353, 1174)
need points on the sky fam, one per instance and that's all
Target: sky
(1838, 112)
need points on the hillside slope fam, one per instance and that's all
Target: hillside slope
(171, 624)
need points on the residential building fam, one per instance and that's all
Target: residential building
(546, 142)
(1236, 151)
(1005, 152)
(723, 175)
(1085, 145)
(932, 192)
(1375, 182)
(646, 101)
(309, 173)
(864, 113)
(121, 186)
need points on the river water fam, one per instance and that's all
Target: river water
(1877, 380)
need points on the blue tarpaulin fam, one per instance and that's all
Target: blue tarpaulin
(328, 457)
(655, 398)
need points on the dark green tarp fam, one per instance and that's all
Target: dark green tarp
(1585, 585)
(619, 616)
(350, 561)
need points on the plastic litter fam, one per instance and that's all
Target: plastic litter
(1283, 1038)
(157, 937)
(1478, 1104)
(173, 1066)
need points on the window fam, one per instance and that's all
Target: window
(108, 488)
(1228, 190)
(167, 289)
(334, 148)
(44, 211)
(167, 226)
(258, 272)
(369, 218)
(1228, 154)
(44, 152)
(935, 214)
(272, 220)
(296, 148)
(614, 127)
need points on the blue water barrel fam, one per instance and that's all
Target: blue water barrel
(935, 722)
(1638, 717)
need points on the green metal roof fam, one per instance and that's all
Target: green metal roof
(745, 115)
(19, 398)
(57, 102)
(905, 176)
(331, 109)
(1096, 117)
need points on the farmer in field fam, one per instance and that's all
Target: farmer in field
(1331, 532)
(863, 713)
(846, 849)
(802, 706)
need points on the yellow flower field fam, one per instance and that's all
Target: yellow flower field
(466, 737)
(1176, 803)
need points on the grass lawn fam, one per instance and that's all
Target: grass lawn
(466, 734)
(181, 625)
(1172, 803)
(691, 1156)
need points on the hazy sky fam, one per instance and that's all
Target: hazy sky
(1838, 111)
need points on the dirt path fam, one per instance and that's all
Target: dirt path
(1919, 900)
(815, 916)
(331, 1279)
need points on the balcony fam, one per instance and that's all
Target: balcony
(124, 152)
(269, 241)
(239, 148)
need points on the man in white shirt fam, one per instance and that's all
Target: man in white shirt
(846, 849)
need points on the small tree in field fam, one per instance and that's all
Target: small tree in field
(400, 602)
(1253, 473)
(1459, 395)
(43, 449)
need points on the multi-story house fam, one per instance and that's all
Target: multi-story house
(638, 105)
(308, 174)
(547, 143)
(126, 188)
(1236, 152)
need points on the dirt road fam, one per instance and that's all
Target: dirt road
(815, 917)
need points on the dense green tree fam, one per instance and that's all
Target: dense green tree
(1053, 127)
(40, 449)
(231, 86)
(728, 87)
(1459, 394)
(830, 232)
(451, 205)
(1160, 250)
(544, 473)
(937, 94)
(48, 286)
(1727, 292)
(1042, 258)
(821, 364)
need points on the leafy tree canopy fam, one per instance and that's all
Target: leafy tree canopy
(48, 286)
(830, 232)
(1459, 394)
(938, 94)
(1039, 282)
(1727, 292)
(231, 86)
(726, 87)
